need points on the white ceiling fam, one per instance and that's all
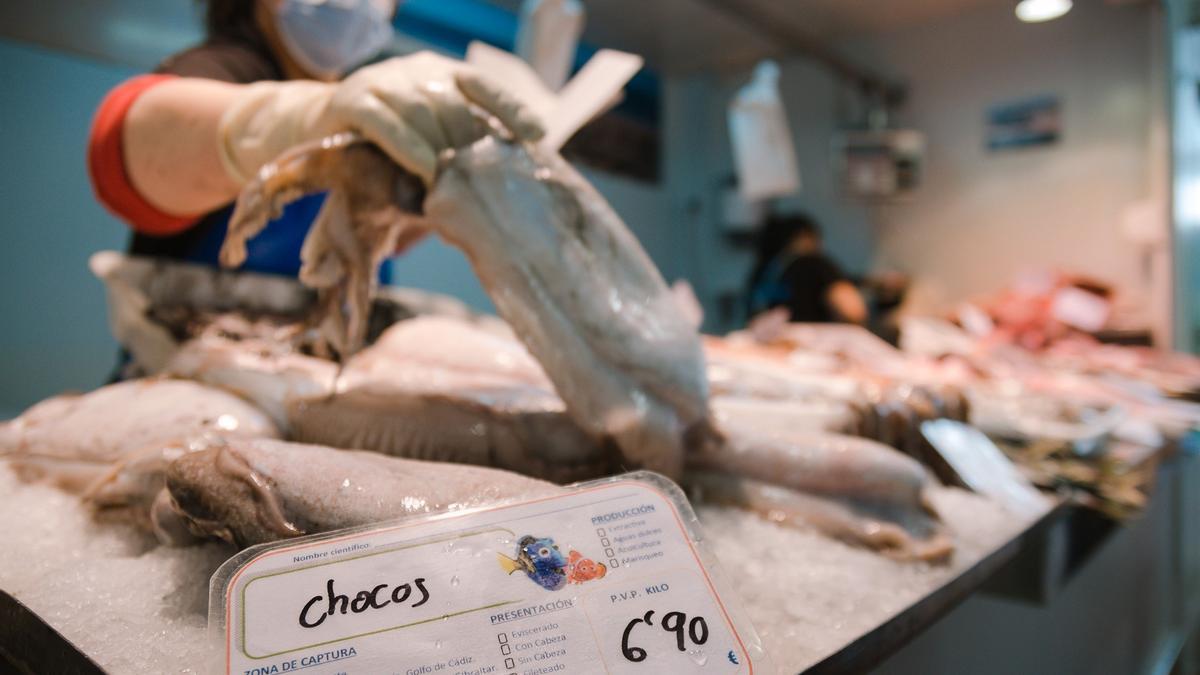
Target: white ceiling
(674, 35)
(837, 19)
(687, 35)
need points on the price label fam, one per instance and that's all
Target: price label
(983, 467)
(608, 576)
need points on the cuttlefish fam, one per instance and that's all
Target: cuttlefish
(432, 388)
(253, 491)
(446, 389)
(184, 460)
(560, 266)
(72, 440)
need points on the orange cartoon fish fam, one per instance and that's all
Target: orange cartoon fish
(581, 569)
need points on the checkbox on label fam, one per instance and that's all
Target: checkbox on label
(608, 552)
(604, 542)
(503, 637)
(505, 649)
(600, 531)
(613, 563)
(509, 663)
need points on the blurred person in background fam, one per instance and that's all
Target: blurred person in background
(169, 151)
(793, 274)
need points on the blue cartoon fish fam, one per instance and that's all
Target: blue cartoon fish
(540, 560)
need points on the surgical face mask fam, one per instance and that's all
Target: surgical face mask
(329, 37)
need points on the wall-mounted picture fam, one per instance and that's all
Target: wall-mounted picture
(1026, 123)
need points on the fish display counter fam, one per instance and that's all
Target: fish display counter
(91, 599)
(78, 574)
(103, 600)
(116, 603)
(850, 491)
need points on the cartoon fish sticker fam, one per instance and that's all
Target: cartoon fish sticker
(540, 560)
(581, 569)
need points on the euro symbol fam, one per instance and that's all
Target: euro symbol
(733, 657)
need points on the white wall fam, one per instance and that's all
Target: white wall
(980, 216)
(1183, 84)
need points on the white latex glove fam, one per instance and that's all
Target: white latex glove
(412, 107)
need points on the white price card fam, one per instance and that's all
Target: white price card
(983, 467)
(610, 576)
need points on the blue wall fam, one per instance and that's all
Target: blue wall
(54, 333)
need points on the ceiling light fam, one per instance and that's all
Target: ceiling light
(1033, 11)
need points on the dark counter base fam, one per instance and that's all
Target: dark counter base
(1082, 595)
(873, 647)
(30, 645)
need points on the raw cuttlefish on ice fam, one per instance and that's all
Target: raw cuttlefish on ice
(73, 439)
(851, 488)
(430, 388)
(254, 361)
(886, 408)
(183, 460)
(254, 491)
(248, 491)
(559, 264)
(441, 389)
(447, 389)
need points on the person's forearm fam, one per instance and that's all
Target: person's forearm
(184, 156)
(169, 143)
(847, 302)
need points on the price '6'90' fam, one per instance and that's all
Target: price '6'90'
(695, 630)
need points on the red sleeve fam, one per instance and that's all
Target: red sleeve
(106, 163)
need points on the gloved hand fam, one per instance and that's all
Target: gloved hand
(412, 107)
